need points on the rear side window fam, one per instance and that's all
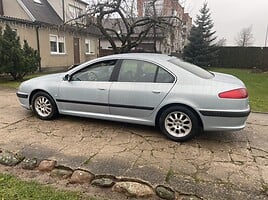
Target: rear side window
(142, 71)
(198, 71)
(164, 77)
(137, 71)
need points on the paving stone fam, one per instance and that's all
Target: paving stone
(165, 192)
(29, 163)
(81, 176)
(10, 159)
(133, 189)
(61, 172)
(103, 182)
(47, 165)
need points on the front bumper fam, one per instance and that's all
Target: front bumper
(23, 99)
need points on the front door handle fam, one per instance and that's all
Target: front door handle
(101, 89)
(156, 91)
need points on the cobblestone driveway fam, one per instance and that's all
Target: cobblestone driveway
(224, 165)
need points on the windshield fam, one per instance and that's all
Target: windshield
(202, 73)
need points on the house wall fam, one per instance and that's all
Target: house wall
(49, 60)
(64, 60)
(12, 8)
(58, 4)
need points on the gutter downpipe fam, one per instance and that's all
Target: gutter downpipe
(38, 46)
(1, 8)
(63, 11)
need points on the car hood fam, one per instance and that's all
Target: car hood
(227, 78)
(49, 76)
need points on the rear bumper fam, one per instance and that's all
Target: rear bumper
(225, 113)
(224, 120)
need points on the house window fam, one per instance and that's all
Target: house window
(57, 44)
(90, 46)
(75, 12)
(37, 1)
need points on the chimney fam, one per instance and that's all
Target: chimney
(1, 8)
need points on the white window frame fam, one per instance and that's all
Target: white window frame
(57, 44)
(89, 50)
(37, 1)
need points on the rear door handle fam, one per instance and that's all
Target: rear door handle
(156, 92)
(101, 89)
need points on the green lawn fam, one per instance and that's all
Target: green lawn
(12, 188)
(6, 81)
(256, 83)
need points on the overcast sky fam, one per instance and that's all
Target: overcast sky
(230, 16)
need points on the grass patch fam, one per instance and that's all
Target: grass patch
(256, 83)
(6, 81)
(12, 188)
(169, 175)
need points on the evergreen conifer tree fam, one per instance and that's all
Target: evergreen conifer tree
(15, 60)
(201, 50)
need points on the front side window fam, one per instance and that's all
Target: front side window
(57, 44)
(100, 71)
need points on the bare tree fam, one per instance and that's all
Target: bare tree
(245, 37)
(118, 22)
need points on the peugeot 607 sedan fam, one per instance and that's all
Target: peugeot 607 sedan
(150, 89)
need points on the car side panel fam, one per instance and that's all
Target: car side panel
(134, 99)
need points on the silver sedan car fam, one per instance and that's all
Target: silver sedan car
(150, 89)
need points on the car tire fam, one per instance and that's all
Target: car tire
(44, 106)
(179, 123)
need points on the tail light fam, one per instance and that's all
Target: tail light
(240, 93)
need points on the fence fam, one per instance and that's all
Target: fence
(243, 57)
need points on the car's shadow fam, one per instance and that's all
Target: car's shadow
(150, 131)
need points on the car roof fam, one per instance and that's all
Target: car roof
(143, 56)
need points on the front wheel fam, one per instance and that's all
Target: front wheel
(179, 123)
(44, 106)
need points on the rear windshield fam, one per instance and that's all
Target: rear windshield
(202, 73)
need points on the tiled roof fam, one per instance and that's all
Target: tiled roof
(24, 21)
(42, 12)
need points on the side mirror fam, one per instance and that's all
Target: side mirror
(67, 77)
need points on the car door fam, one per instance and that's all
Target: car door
(87, 90)
(139, 89)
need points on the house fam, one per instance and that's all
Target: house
(167, 40)
(149, 43)
(42, 24)
(175, 37)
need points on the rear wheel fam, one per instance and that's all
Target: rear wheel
(179, 123)
(44, 106)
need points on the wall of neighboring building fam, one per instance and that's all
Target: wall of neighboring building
(51, 60)
(176, 38)
(146, 45)
(14, 9)
(69, 5)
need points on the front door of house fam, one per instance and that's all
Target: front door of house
(76, 51)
